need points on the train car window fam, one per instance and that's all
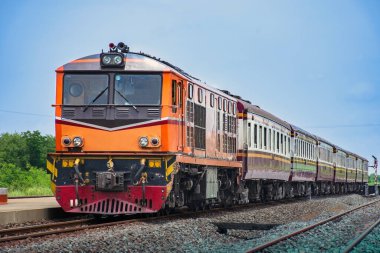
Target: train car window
(200, 95)
(224, 105)
(229, 107)
(299, 148)
(288, 144)
(269, 139)
(259, 137)
(265, 138)
(219, 103)
(138, 89)
(212, 100)
(255, 136)
(278, 142)
(249, 137)
(190, 89)
(218, 121)
(234, 109)
(80, 89)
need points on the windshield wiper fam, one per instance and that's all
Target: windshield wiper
(121, 95)
(96, 98)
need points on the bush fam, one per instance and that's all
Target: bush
(24, 182)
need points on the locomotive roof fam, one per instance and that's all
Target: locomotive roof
(133, 62)
(138, 62)
(257, 110)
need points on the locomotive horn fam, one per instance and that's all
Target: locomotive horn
(122, 47)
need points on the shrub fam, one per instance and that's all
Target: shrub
(24, 182)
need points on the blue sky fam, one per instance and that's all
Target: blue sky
(313, 63)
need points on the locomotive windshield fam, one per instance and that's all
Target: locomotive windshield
(134, 89)
(129, 89)
(82, 89)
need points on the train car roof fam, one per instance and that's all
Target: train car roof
(245, 106)
(320, 139)
(300, 130)
(137, 62)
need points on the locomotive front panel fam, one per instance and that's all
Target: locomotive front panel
(117, 185)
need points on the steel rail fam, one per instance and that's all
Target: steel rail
(7, 234)
(282, 238)
(361, 237)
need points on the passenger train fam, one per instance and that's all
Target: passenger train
(136, 134)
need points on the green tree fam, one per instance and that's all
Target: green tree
(27, 148)
(14, 150)
(38, 146)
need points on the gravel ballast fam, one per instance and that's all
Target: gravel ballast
(197, 234)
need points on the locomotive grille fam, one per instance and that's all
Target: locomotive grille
(122, 112)
(153, 112)
(200, 126)
(68, 113)
(98, 112)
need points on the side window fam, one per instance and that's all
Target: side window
(278, 142)
(180, 93)
(219, 103)
(224, 105)
(265, 138)
(190, 90)
(255, 136)
(286, 144)
(174, 93)
(234, 109)
(212, 100)
(200, 95)
(260, 135)
(249, 137)
(174, 96)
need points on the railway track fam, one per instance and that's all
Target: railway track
(266, 246)
(20, 233)
(12, 234)
(361, 237)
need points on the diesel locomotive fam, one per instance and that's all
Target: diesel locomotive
(136, 134)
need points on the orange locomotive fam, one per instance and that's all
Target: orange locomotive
(132, 136)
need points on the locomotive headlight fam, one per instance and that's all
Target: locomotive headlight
(77, 141)
(106, 59)
(112, 59)
(143, 141)
(117, 60)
